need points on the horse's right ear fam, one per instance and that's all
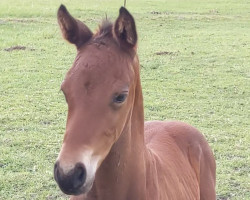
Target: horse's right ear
(72, 29)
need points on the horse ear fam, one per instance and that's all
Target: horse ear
(125, 30)
(72, 29)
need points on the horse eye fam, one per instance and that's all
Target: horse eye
(120, 98)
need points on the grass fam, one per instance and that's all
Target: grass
(200, 76)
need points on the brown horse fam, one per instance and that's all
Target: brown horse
(108, 152)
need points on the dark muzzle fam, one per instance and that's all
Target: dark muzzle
(72, 182)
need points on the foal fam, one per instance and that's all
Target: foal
(108, 152)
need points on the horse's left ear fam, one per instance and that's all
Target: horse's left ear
(125, 30)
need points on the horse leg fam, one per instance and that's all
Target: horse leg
(202, 161)
(207, 175)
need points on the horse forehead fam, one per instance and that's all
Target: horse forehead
(99, 65)
(102, 60)
(103, 51)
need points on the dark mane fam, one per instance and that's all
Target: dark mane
(104, 31)
(105, 27)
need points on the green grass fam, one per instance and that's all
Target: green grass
(203, 80)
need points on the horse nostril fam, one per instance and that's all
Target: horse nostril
(56, 171)
(79, 175)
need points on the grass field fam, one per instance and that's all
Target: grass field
(195, 59)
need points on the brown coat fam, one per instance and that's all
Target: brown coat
(108, 152)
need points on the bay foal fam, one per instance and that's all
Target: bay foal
(108, 152)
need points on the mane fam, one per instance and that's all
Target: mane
(104, 31)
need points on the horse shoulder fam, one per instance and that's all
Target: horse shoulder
(182, 153)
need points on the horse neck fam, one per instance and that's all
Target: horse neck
(122, 174)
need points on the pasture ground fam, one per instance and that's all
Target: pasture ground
(195, 58)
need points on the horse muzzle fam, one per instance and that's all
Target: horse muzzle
(72, 182)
